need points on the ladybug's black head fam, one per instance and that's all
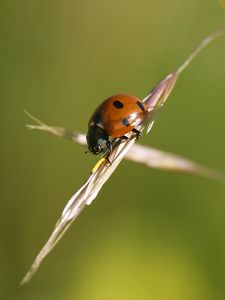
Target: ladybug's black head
(97, 140)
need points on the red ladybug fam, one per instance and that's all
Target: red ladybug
(116, 116)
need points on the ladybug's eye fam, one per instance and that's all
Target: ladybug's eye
(96, 149)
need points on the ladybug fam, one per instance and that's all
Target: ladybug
(114, 117)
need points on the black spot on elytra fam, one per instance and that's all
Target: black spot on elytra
(118, 104)
(97, 118)
(141, 105)
(125, 122)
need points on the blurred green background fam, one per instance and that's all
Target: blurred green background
(149, 234)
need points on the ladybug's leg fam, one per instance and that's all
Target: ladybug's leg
(138, 133)
(123, 137)
(108, 151)
(107, 158)
(109, 146)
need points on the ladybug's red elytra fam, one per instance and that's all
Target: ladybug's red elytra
(114, 117)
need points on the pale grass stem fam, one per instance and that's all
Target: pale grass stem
(103, 169)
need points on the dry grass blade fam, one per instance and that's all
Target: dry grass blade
(167, 161)
(99, 175)
(103, 169)
(58, 131)
(157, 97)
(145, 155)
(206, 41)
